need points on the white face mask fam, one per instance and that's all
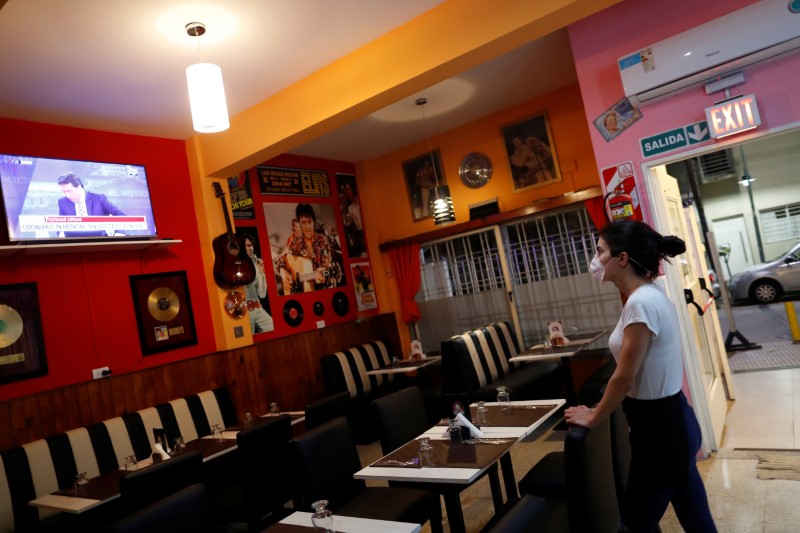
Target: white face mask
(598, 269)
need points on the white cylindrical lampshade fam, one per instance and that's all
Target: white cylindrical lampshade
(207, 98)
(442, 205)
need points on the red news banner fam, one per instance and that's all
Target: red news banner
(76, 223)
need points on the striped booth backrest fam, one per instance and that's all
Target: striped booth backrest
(47, 465)
(478, 357)
(347, 370)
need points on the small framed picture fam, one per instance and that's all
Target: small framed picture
(531, 153)
(163, 311)
(422, 174)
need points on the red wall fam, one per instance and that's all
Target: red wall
(324, 296)
(85, 298)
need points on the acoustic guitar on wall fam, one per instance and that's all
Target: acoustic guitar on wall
(232, 267)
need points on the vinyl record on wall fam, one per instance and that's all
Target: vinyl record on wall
(341, 304)
(319, 308)
(293, 313)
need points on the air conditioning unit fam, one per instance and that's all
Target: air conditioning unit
(760, 32)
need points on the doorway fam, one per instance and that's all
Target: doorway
(731, 235)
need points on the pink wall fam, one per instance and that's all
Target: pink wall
(598, 41)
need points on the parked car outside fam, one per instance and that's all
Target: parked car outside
(768, 282)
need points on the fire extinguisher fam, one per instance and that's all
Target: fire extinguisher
(620, 204)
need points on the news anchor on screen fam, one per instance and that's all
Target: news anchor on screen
(78, 201)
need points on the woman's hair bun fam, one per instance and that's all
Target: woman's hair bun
(671, 246)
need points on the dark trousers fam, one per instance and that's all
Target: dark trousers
(665, 437)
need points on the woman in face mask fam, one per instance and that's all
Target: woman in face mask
(646, 345)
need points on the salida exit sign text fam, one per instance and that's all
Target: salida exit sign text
(733, 116)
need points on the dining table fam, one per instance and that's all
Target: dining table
(563, 352)
(105, 487)
(459, 464)
(300, 522)
(404, 366)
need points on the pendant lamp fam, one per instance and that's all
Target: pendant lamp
(206, 90)
(441, 203)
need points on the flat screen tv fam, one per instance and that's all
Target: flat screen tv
(51, 200)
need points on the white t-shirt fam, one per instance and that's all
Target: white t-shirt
(661, 372)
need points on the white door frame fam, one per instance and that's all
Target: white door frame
(701, 397)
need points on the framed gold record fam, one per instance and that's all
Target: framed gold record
(163, 311)
(22, 353)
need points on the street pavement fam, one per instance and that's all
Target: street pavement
(759, 323)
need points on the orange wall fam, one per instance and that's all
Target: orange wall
(386, 205)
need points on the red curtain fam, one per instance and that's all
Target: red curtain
(405, 263)
(597, 211)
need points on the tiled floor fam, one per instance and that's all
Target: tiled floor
(763, 416)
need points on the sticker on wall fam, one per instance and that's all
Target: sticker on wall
(617, 119)
(256, 292)
(621, 199)
(241, 197)
(350, 207)
(293, 313)
(365, 292)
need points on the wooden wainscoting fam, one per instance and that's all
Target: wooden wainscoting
(284, 370)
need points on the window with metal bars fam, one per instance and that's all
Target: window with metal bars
(540, 248)
(550, 246)
(461, 265)
(780, 223)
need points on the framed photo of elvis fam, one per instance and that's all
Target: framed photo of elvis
(22, 353)
(531, 153)
(163, 311)
(304, 243)
(421, 174)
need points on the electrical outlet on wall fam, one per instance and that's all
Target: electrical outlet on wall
(101, 372)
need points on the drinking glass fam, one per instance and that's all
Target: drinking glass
(503, 397)
(274, 410)
(216, 431)
(322, 517)
(480, 413)
(425, 452)
(395, 362)
(131, 463)
(80, 482)
(547, 346)
(248, 420)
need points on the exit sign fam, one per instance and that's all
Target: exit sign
(733, 116)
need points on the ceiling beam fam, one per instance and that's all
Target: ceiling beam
(453, 37)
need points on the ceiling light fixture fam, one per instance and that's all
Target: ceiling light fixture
(206, 91)
(441, 203)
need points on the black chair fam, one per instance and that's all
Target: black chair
(141, 488)
(262, 476)
(327, 409)
(547, 477)
(402, 418)
(591, 496)
(326, 459)
(532, 513)
(186, 511)
(588, 479)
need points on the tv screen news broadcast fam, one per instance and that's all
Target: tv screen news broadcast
(53, 199)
